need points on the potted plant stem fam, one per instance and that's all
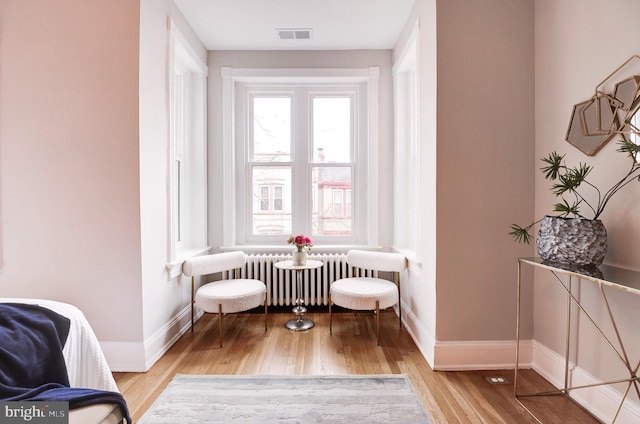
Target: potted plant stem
(573, 237)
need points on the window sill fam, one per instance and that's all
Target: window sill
(410, 255)
(338, 248)
(174, 268)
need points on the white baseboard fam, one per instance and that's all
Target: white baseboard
(480, 355)
(420, 336)
(140, 357)
(160, 342)
(467, 355)
(601, 401)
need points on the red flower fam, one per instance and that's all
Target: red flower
(300, 241)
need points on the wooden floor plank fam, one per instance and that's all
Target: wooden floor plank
(449, 397)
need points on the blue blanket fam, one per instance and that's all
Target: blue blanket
(32, 366)
(32, 338)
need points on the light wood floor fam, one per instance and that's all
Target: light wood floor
(449, 397)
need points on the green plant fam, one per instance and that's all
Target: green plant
(570, 182)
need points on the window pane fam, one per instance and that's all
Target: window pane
(329, 214)
(278, 219)
(178, 201)
(277, 198)
(332, 129)
(271, 129)
(264, 198)
(634, 124)
(338, 201)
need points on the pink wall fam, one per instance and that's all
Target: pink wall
(485, 144)
(576, 49)
(69, 158)
(477, 140)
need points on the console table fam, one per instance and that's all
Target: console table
(603, 276)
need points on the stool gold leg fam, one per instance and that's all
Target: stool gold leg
(378, 321)
(399, 302)
(265, 313)
(330, 316)
(192, 300)
(220, 322)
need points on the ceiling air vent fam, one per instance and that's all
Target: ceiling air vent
(294, 33)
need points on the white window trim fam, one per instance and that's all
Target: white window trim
(230, 76)
(181, 51)
(407, 67)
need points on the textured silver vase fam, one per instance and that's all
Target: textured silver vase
(572, 241)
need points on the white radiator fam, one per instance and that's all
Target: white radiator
(281, 283)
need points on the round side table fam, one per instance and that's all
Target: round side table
(299, 323)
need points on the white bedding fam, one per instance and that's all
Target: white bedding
(86, 364)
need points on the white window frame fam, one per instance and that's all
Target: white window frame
(188, 145)
(300, 163)
(407, 167)
(365, 230)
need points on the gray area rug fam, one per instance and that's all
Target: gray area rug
(331, 399)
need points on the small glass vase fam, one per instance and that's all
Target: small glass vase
(299, 257)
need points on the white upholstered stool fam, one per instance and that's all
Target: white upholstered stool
(369, 293)
(224, 296)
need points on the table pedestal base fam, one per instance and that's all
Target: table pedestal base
(300, 324)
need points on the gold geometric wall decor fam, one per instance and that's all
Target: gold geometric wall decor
(611, 110)
(626, 91)
(599, 115)
(589, 143)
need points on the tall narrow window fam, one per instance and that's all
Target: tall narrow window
(187, 156)
(178, 139)
(270, 162)
(407, 150)
(333, 135)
